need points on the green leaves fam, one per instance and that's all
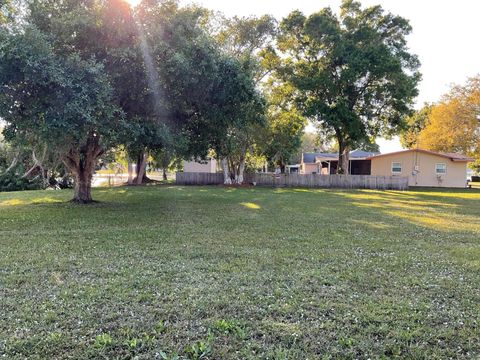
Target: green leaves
(7, 9)
(285, 124)
(57, 98)
(353, 72)
(149, 79)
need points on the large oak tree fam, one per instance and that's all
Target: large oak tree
(353, 73)
(94, 73)
(57, 99)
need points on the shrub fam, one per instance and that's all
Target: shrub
(11, 181)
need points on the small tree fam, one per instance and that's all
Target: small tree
(228, 117)
(414, 126)
(249, 41)
(353, 72)
(57, 99)
(285, 125)
(454, 123)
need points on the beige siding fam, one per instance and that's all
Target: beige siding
(425, 176)
(195, 167)
(309, 168)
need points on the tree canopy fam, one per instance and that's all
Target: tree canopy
(79, 78)
(57, 99)
(244, 39)
(453, 125)
(353, 72)
(94, 74)
(414, 124)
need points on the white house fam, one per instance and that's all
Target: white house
(207, 166)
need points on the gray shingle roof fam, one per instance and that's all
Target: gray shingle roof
(362, 154)
(309, 158)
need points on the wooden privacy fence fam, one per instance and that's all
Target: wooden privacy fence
(192, 178)
(331, 181)
(301, 180)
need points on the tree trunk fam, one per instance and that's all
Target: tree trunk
(38, 167)
(226, 173)
(165, 178)
(83, 187)
(14, 162)
(81, 163)
(241, 171)
(240, 168)
(141, 169)
(343, 158)
(130, 173)
(31, 171)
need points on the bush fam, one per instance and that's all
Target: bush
(11, 181)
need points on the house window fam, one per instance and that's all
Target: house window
(396, 167)
(440, 169)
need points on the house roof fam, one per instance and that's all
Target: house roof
(451, 156)
(311, 158)
(362, 154)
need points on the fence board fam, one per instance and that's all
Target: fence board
(300, 180)
(184, 178)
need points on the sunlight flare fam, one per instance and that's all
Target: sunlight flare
(133, 3)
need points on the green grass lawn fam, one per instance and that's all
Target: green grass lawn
(214, 273)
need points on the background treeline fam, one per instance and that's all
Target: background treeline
(86, 81)
(451, 125)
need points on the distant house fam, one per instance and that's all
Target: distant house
(207, 166)
(293, 169)
(327, 163)
(423, 168)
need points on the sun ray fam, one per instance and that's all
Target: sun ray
(133, 3)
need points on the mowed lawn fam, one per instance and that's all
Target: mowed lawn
(215, 273)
